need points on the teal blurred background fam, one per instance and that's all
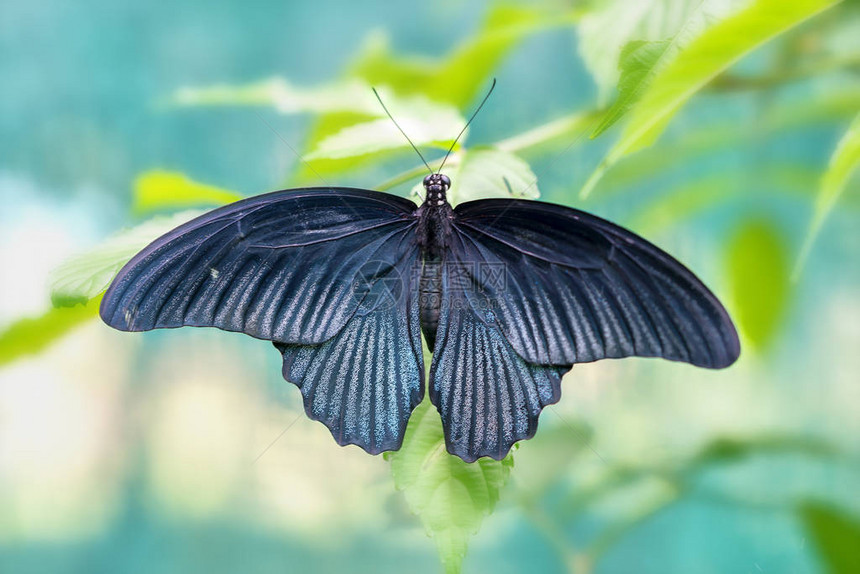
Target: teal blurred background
(186, 451)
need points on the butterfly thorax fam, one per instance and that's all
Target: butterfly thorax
(434, 231)
(434, 217)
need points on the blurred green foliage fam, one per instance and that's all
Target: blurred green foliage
(162, 190)
(758, 271)
(455, 79)
(659, 64)
(844, 161)
(835, 534)
(668, 86)
(84, 277)
(667, 27)
(31, 335)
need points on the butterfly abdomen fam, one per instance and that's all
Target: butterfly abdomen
(430, 299)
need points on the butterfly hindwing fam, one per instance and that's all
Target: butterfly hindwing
(489, 397)
(571, 288)
(364, 382)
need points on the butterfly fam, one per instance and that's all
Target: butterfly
(509, 294)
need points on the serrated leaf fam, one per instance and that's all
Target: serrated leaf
(31, 335)
(843, 163)
(161, 190)
(488, 172)
(701, 61)
(426, 124)
(758, 274)
(451, 497)
(835, 535)
(84, 276)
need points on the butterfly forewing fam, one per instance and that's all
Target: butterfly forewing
(576, 288)
(278, 266)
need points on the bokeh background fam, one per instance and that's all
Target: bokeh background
(186, 451)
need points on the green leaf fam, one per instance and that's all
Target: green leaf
(460, 76)
(606, 30)
(84, 276)
(488, 172)
(843, 163)
(426, 123)
(350, 112)
(160, 190)
(33, 334)
(701, 61)
(640, 61)
(835, 535)
(451, 497)
(757, 268)
(351, 95)
(455, 79)
(377, 63)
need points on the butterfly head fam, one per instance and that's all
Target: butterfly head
(436, 184)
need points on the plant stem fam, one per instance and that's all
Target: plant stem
(571, 559)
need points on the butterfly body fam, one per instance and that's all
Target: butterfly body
(509, 295)
(435, 217)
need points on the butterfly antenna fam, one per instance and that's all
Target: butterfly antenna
(462, 131)
(381, 103)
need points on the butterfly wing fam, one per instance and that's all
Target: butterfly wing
(577, 288)
(529, 289)
(364, 382)
(326, 274)
(278, 266)
(489, 397)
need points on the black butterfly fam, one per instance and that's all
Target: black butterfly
(508, 293)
